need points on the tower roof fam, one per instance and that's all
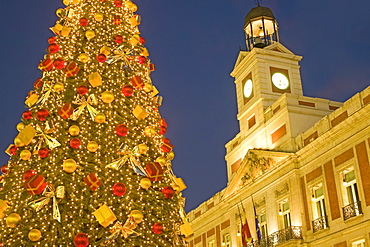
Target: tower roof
(256, 12)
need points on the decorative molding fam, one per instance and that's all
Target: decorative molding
(282, 191)
(257, 167)
(261, 202)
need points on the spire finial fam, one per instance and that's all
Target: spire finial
(257, 2)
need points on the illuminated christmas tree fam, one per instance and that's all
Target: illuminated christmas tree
(90, 165)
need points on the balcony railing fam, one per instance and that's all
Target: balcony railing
(279, 237)
(320, 223)
(352, 210)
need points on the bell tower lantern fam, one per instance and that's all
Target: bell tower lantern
(260, 27)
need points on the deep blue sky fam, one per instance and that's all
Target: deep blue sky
(194, 44)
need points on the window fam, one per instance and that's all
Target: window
(359, 243)
(226, 240)
(211, 243)
(349, 182)
(351, 197)
(263, 225)
(318, 209)
(285, 213)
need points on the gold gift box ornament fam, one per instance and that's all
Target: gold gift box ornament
(105, 215)
(139, 112)
(95, 79)
(27, 134)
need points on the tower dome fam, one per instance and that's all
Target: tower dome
(261, 28)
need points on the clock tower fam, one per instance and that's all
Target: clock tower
(272, 109)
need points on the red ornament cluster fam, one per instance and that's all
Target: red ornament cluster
(81, 240)
(82, 89)
(127, 90)
(168, 192)
(121, 130)
(118, 39)
(42, 114)
(84, 22)
(53, 48)
(29, 173)
(75, 143)
(119, 189)
(43, 152)
(157, 228)
(59, 63)
(101, 58)
(27, 115)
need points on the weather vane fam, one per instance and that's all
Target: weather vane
(257, 2)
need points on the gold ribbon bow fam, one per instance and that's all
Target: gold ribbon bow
(50, 141)
(85, 102)
(128, 155)
(127, 229)
(49, 193)
(119, 54)
(47, 89)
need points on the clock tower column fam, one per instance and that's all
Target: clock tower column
(272, 109)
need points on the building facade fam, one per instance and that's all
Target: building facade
(299, 168)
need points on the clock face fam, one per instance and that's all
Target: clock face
(280, 81)
(248, 88)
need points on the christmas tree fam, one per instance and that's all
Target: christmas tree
(90, 165)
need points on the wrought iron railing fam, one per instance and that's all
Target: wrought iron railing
(352, 210)
(320, 223)
(279, 237)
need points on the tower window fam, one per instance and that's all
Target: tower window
(251, 121)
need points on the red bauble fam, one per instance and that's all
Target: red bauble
(29, 173)
(142, 40)
(141, 59)
(121, 130)
(84, 21)
(4, 169)
(118, 39)
(81, 240)
(119, 189)
(162, 130)
(166, 140)
(75, 143)
(53, 48)
(168, 192)
(157, 228)
(42, 114)
(59, 63)
(13, 150)
(118, 3)
(43, 152)
(101, 58)
(127, 90)
(82, 89)
(38, 83)
(52, 40)
(27, 115)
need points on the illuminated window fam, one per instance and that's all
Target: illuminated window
(226, 240)
(350, 185)
(211, 243)
(285, 213)
(359, 243)
(263, 225)
(318, 203)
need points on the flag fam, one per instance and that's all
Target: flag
(258, 230)
(246, 234)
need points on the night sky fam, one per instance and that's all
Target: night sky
(194, 45)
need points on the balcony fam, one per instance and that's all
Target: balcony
(352, 210)
(279, 237)
(320, 223)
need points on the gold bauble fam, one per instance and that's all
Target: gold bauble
(150, 131)
(133, 7)
(20, 126)
(143, 149)
(69, 165)
(12, 220)
(92, 146)
(83, 58)
(74, 130)
(171, 155)
(18, 142)
(161, 160)
(148, 87)
(145, 183)
(34, 235)
(99, 17)
(58, 87)
(90, 34)
(60, 13)
(100, 117)
(107, 97)
(128, 4)
(137, 216)
(25, 154)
